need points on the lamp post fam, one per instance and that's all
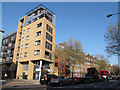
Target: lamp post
(118, 32)
(112, 14)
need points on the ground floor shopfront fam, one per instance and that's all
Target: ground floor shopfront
(31, 70)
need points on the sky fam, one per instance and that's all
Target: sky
(84, 21)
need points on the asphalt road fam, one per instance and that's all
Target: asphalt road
(110, 85)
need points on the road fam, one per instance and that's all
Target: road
(110, 85)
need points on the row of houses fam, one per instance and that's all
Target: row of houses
(30, 49)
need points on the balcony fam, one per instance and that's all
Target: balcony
(11, 54)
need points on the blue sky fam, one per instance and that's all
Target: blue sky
(84, 21)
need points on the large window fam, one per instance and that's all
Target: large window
(21, 55)
(37, 42)
(26, 45)
(24, 32)
(36, 52)
(21, 47)
(48, 55)
(48, 37)
(38, 33)
(25, 55)
(48, 45)
(49, 29)
(27, 37)
(39, 25)
(28, 29)
(22, 39)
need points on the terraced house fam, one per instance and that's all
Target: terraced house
(7, 53)
(35, 43)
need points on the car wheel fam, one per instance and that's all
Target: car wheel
(61, 83)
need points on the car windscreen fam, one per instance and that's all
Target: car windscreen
(106, 72)
(55, 77)
(102, 72)
(62, 77)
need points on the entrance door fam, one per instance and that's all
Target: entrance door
(36, 75)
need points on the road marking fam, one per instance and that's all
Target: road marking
(7, 84)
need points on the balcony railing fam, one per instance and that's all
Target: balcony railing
(48, 57)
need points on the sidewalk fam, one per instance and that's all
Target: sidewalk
(15, 82)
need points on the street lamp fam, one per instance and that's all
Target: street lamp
(112, 14)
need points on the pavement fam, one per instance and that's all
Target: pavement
(15, 82)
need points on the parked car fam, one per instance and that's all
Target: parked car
(110, 77)
(116, 77)
(76, 80)
(104, 74)
(45, 79)
(60, 80)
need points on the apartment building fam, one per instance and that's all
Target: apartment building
(1, 36)
(35, 43)
(7, 50)
(80, 69)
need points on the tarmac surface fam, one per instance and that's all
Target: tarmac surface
(35, 85)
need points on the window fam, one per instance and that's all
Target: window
(24, 32)
(62, 62)
(17, 58)
(12, 38)
(25, 67)
(25, 54)
(48, 37)
(1, 53)
(39, 17)
(27, 37)
(3, 47)
(39, 25)
(22, 47)
(49, 29)
(48, 45)
(62, 68)
(26, 45)
(37, 52)
(8, 58)
(35, 19)
(22, 39)
(28, 29)
(48, 55)
(35, 13)
(8, 51)
(3, 41)
(38, 33)
(21, 55)
(10, 44)
(37, 42)
(29, 22)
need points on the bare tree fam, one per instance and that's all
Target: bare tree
(112, 37)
